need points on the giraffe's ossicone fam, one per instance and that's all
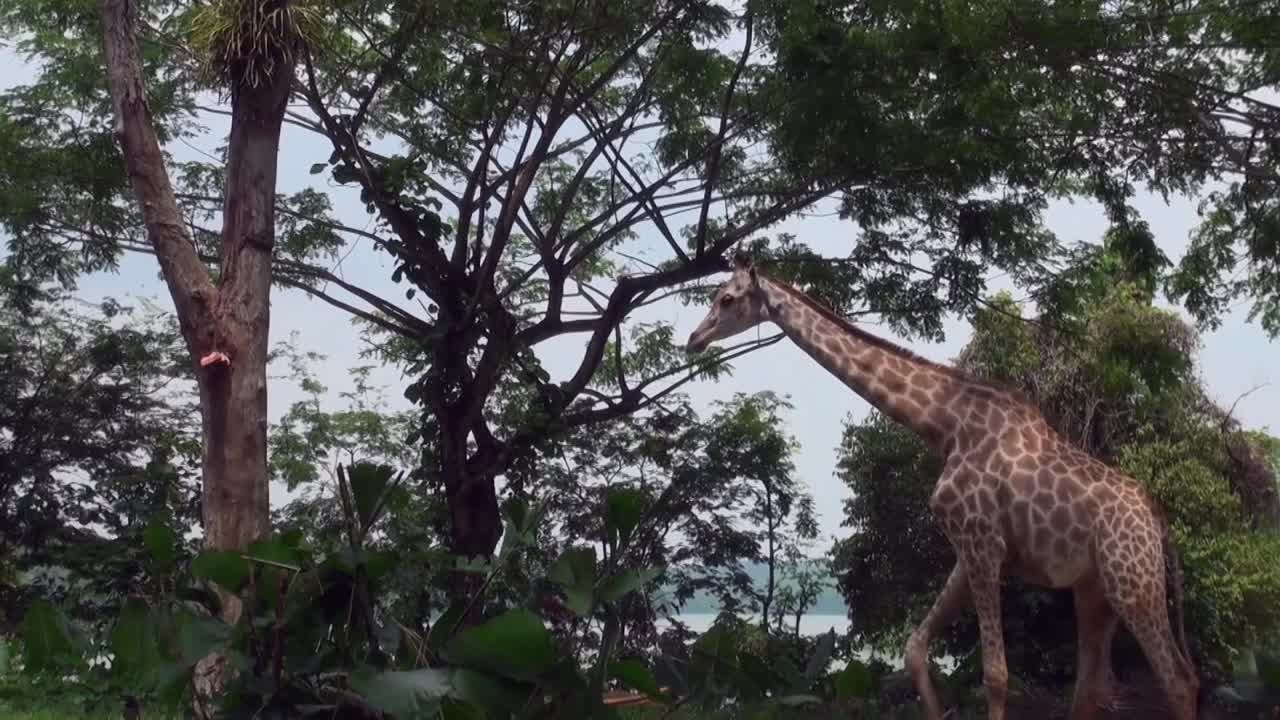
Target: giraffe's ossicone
(1014, 497)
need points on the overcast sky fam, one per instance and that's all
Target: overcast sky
(1233, 360)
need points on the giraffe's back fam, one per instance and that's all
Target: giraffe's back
(1049, 500)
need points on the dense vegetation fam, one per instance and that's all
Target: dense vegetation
(545, 174)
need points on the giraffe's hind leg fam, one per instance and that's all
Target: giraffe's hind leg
(1133, 581)
(1095, 627)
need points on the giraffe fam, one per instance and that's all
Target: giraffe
(1014, 497)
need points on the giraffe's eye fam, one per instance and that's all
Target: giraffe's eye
(727, 300)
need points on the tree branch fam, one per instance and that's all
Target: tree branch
(189, 284)
(713, 172)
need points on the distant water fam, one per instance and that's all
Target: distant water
(809, 624)
(814, 624)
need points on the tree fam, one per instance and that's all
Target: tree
(252, 45)
(804, 578)
(542, 172)
(96, 443)
(768, 472)
(703, 481)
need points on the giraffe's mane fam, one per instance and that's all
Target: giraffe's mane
(888, 345)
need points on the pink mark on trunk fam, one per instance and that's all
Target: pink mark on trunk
(215, 357)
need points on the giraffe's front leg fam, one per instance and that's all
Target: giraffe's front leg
(983, 561)
(946, 608)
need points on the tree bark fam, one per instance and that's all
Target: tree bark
(225, 326)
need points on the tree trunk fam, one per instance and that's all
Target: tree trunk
(233, 397)
(768, 594)
(225, 326)
(475, 521)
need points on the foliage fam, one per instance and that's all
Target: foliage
(315, 633)
(699, 477)
(95, 439)
(544, 172)
(1232, 581)
(1051, 99)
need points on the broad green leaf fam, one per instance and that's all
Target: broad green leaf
(514, 644)
(226, 568)
(442, 629)
(368, 483)
(134, 642)
(317, 168)
(618, 586)
(854, 682)
(498, 696)
(451, 709)
(49, 642)
(624, 507)
(161, 542)
(275, 552)
(304, 589)
(636, 675)
(403, 694)
(575, 572)
(274, 558)
(198, 634)
(378, 563)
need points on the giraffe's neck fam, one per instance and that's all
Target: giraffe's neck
(909, 389)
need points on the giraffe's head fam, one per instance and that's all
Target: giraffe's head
(738, 305)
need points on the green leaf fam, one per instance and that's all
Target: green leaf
(317, 168)
(636, 675)
(48, 639)
(575, 572)
(514, 644)
(854, 682)
(161, 542)
(442, 629)
(1269, 671)
(198, 635)
(226, 568)
(451, 709)
(618, 586)
(134, 642)
(403, 694)
(497, 696)
(275, 552)
(368, 483)
(378, 563)
(5, 657)
(624, 507)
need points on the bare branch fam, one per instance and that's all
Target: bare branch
(713, 171)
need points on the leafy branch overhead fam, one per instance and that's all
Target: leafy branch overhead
(548, 173)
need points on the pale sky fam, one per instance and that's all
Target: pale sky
(1233, 360)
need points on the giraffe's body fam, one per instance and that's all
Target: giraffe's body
(1014, 497)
